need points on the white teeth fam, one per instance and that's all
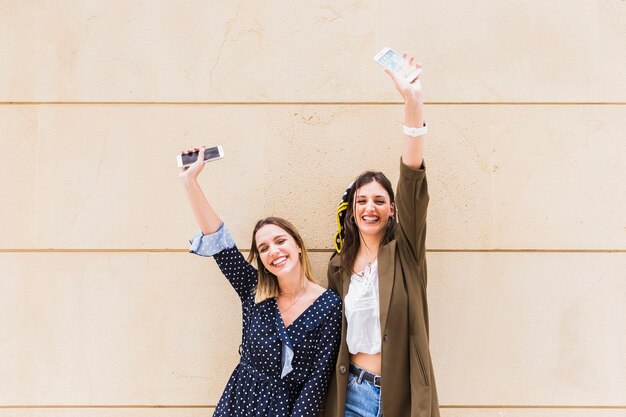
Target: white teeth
(371, 219)
(280, 261)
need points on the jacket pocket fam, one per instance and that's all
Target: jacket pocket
(420, 360)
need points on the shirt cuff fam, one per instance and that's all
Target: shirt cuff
(209, 245)
(412, 173)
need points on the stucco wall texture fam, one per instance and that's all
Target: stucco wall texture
(104, 313)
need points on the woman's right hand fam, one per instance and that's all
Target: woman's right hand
(410, 91)
(205, 216)
(192, 171)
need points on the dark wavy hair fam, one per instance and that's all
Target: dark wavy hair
(352, 239)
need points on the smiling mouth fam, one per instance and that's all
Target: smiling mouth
(279, 262)
(370, 219)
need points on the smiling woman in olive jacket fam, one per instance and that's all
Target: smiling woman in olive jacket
(384, 365)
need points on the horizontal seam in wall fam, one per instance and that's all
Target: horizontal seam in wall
(324, 103)
(618, 407)
(105, 406)
(122, 250)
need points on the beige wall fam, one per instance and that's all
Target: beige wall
(102, 311)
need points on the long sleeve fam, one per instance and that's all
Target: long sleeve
(411, 205)
(241, 275)
(315, 387)
(221, 246)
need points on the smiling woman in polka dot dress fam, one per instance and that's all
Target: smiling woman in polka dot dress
(291, 325)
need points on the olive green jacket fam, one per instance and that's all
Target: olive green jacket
(408, 382)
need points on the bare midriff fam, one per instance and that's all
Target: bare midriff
(371, 363)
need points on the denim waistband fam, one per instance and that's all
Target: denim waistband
(364, 375)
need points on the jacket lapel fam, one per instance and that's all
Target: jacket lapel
(386, 274)
(335, 262)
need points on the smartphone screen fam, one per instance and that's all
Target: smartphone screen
(394, 61)
(209, 153)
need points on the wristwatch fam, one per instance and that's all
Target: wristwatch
(415, 131)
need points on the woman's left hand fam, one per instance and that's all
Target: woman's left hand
(410, 91)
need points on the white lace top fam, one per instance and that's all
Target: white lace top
(362, 309)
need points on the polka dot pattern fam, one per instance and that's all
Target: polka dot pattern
(262, 384)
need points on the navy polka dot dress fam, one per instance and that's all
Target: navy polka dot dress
(283, 371)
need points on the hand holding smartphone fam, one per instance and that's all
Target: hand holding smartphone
(389, 58)
(210, 154)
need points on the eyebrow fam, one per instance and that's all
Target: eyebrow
(376, 196)
(275, 237)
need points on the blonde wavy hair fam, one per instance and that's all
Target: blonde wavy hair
(267, 286)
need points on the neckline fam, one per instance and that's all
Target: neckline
(306, 310)
(363, 272)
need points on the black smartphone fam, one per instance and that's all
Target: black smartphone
(210, 154)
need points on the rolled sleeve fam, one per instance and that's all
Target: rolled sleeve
(412, 173)
(209, 245)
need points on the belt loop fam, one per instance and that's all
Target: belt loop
(360, 378)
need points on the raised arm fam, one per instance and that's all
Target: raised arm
(214, 239)
(205, 215)
(412, 191)
(412, 94)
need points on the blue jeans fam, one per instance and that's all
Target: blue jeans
(363, 398)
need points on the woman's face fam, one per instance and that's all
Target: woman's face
(278, 251)
(372, 209)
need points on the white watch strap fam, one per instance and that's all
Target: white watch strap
(415, 131)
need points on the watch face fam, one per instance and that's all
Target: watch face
(415, 131)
